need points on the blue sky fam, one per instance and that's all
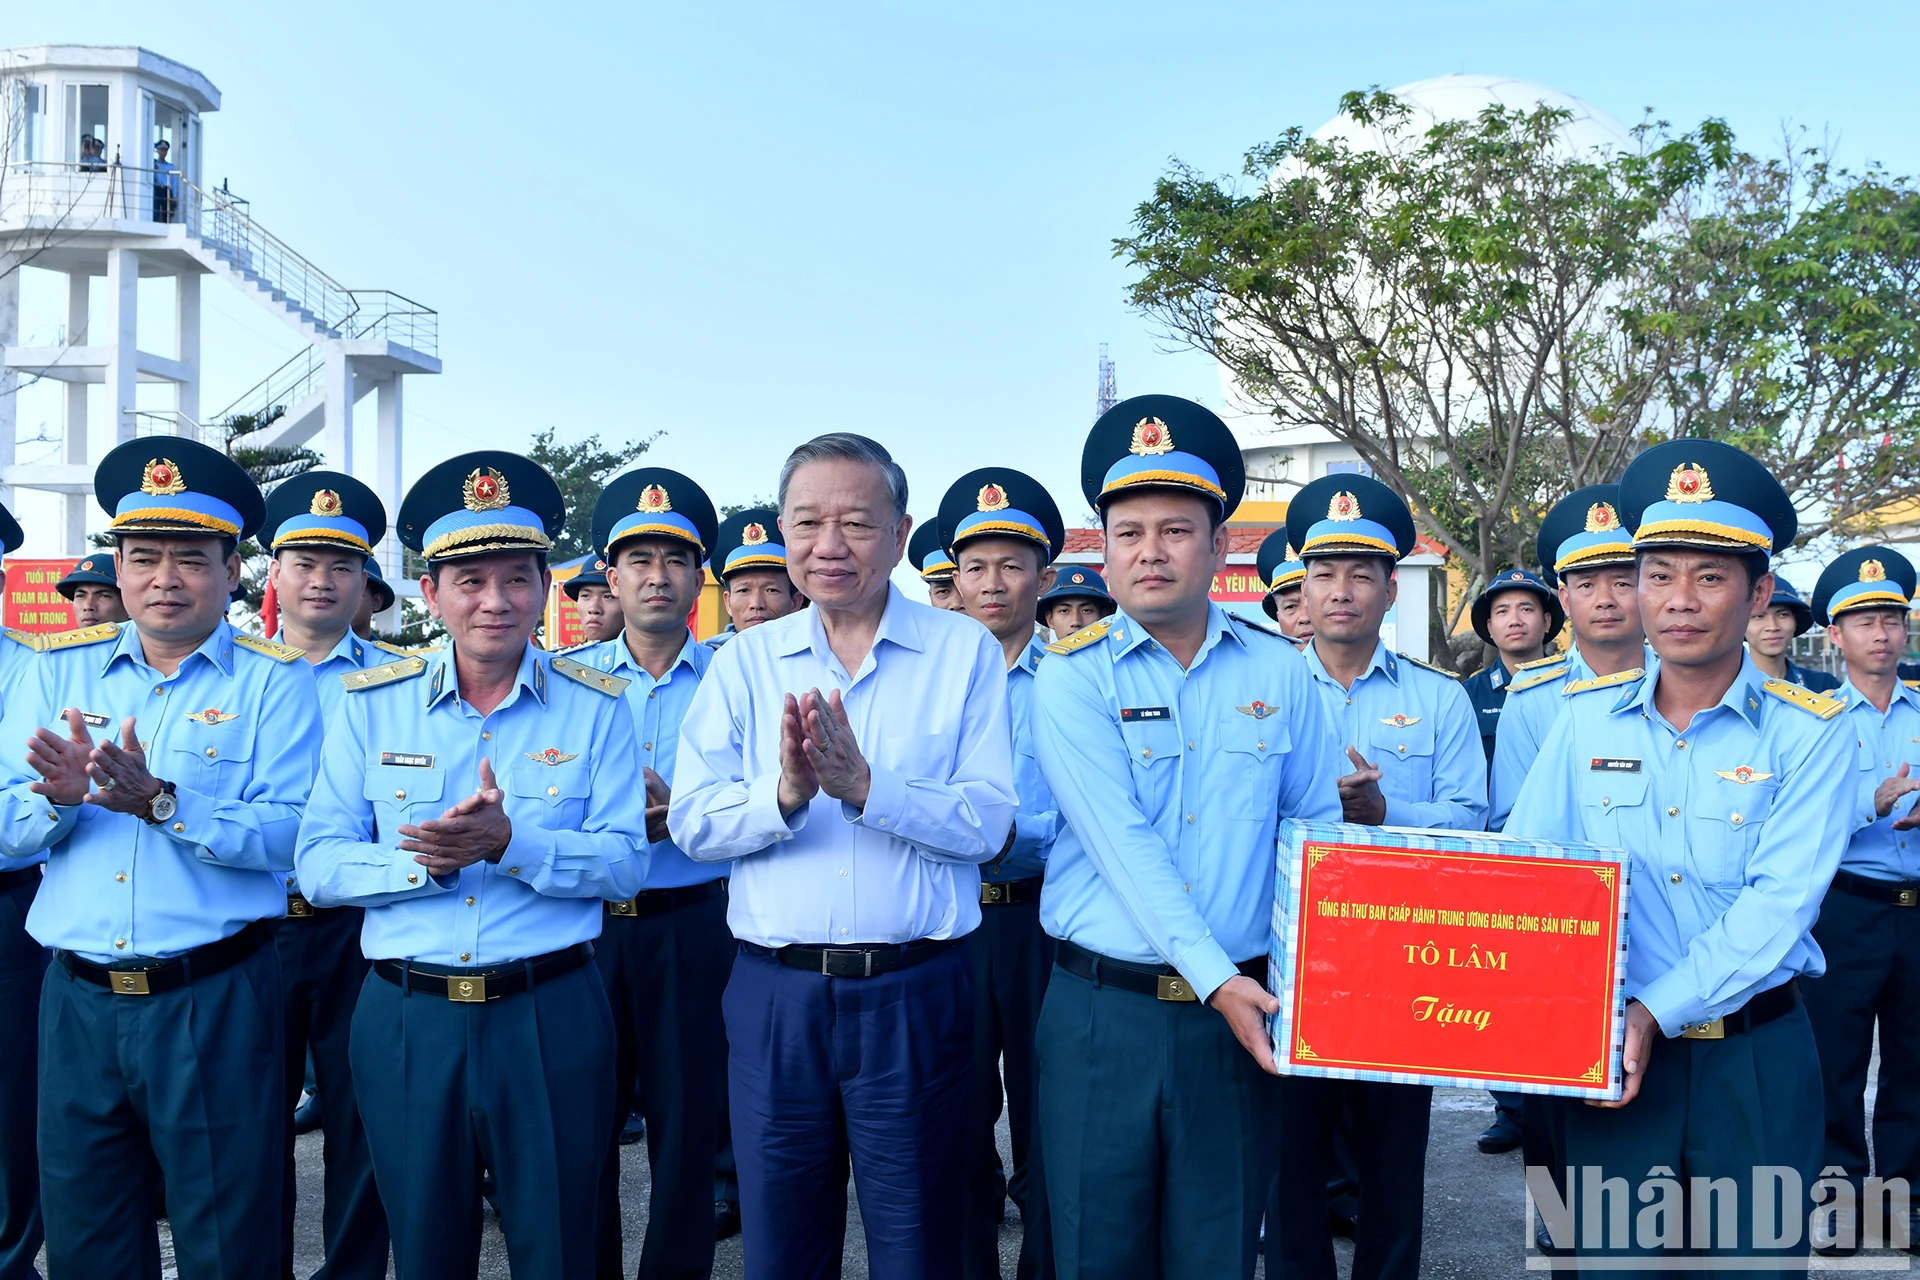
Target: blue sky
(746, 224)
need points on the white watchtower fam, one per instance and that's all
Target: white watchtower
(83, 192)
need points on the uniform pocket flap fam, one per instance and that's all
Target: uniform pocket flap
(395, 784)
(1402, 736)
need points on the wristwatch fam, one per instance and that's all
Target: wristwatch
(163, 805)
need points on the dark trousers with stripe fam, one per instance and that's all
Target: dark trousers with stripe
(1872, 978)
(23, 967)
(1389, 1151)
(665, 975)
(869, 1071)
(321, 972)
(1011, 957)
(192, 1077)
(521, 1085)
(1158, 1135)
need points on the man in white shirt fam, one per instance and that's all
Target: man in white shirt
(853, 761)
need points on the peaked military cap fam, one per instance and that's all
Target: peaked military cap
(481, 502)
(378, 587)
(170, 484)
(1516, 580)
(749, 539)
(1348, 514)
(929, 554)
(1076, 582)
(1279, 568)
(1865, 578)
(593, 573)
(1162, 442)
(325, 509)
(1583, 531)
(11, 534)
(654, 502)
(95, 570)
(1705, 495)
(999, 502)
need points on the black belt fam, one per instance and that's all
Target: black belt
(1892, 893)
(1758, 1012)
(477, 986)
(1161, 981)
(657, 902)
(298, 908)
(856, 962)
(11, 880)
(1010, 893)
(145, 976)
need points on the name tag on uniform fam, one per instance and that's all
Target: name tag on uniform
(97, 721)
(1603, 764)
(406, 759)
(1133, 715)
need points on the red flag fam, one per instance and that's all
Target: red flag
(269, 610)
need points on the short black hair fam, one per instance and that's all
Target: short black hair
(434, 566)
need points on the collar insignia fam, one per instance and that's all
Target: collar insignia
(1343, 507)
(1743, 775)
(1602, 518)
(325, 503)
(993, 498)
(1400, 721)
(485, 490)
(654, 499)
(1689, 483)
(552, 756)
(1259, 710)
(212, 715)
(1151, 438)
(1872, 571)
(162, 479)
(753, 535)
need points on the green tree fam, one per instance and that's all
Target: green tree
(581, 470)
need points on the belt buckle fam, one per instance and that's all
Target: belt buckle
(1715, 1030)
(298, 906)
(828, 953)
(1907, 898)
(467, 990)
(992, 893)
(629, 907)
(1174, 987)
(128, 982)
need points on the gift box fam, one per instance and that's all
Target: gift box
(1449, 958)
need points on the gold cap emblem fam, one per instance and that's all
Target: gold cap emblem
(1689, 483)
(1872, 571)
(485, 490)
(992, 498)
(325, 503)
(1151, 437)
(654, 499)
(1343, 507)
(1602, 518)
(162, 478)
(753, 535)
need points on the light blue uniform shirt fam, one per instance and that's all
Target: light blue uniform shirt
(1883, 744)
(1171, 783)
(1418, 726)
(351, 654)
(1530, 715)
(658, 708)
(928, 706)
(1735, 827)
(409, 749)
(1037, 822)
(16, 658)
(234, 730)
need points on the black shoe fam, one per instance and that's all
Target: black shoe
(635, 1130)
(306, 1116)
(1502, 1136)
(726, 1219)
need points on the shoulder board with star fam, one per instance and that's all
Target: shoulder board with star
(1261, 627)
(1911, 684)
(1603, 682)
(271, 648)
(27, 638)
(386, 673)
(611, 685)
(1537, 675)
(1815, 703)
(79, 636)
(1082, 638)
(576, 648)
(1537, 663)
(401, 650)
(1439, 671)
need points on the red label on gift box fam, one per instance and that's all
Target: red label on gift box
(1456, 964)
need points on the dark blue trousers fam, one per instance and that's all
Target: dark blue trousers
(1389, 1151)
(191, 1076)
(665, 975)
(1873, 977)
(1157, 1133)
(1011, 957)
(321, 972)
(872, 1071)
(522, 1085)
(23, 967)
